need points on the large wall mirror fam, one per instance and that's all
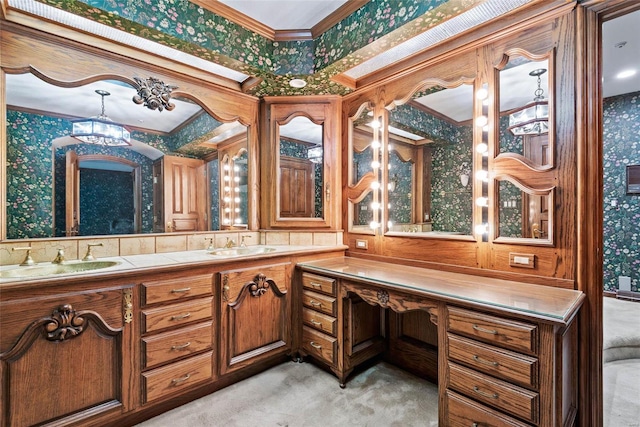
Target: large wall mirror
(58, 185)
(525, 149)
(429, 158)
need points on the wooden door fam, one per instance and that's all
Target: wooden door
(296, 188)
(535, 209)
(72, 194)
(185, 194)
(256, 315)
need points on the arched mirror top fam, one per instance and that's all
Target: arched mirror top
(299, 117)
(429, 86)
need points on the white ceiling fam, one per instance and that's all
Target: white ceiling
(615, 59)
(287, 14)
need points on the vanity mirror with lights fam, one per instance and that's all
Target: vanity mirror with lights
(170, 169)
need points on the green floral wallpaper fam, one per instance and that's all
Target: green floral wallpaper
(30, 173)
(452, 155)
(185, 26)
(621, 141)
(214, 186)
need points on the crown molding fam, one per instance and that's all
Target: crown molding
(259, 28)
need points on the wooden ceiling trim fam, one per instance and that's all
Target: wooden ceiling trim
(336, 16)
(258, 27)
(233, 15)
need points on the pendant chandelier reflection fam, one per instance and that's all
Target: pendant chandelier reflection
(533, 118)
(101, 130)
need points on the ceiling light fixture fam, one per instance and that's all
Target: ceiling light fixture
(625, 74)
(100, 130)
(533, 118)
(297, 83)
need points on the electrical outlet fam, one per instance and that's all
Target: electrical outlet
(361, 244)
(624, 283)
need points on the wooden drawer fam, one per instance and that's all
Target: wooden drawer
(322, 284)
(501, 395)
(171, 379)
(505, 333)
(320, 321)
(319, 302)
(161, 348)
(463, 412)
(505, 364)
(319, 345)
(176, 314)
(175, 289)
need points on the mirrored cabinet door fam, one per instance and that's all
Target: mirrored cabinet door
(300, 165)
(524, 162)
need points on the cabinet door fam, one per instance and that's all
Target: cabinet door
(256, 315)
(66, 358)
(185, 194)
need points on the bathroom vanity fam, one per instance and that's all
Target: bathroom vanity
(118, 345)
(507, 350)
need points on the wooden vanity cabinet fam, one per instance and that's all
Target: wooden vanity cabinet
(339, 329)
(177, 334)
(65, 355)
(255, 315)
(520, 372)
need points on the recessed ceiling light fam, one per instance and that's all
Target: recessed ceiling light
(626, 73)
(297, 83)
(620, 44)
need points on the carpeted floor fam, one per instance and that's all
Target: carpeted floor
(301, 394)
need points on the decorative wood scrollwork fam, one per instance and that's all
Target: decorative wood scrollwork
(127, 305)
(259, 286)
(383, 297)
(65, 323)
(154, 93)
(225, 287)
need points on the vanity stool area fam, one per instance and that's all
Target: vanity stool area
(507, 351)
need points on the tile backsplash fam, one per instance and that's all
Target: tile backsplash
(45, 250)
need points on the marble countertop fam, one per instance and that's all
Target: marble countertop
(158, 261)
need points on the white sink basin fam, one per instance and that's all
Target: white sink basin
(251, 250)
(49, 269)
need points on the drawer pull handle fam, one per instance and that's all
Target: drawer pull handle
(488, 331)
(181, 347)
(316, 285)
(180, 291)
(181, 316)
(315, 322)
(177, 381)
(314, 345)
(315, 303)
(482, 393)
(486, 362)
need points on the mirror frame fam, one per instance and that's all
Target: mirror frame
(517, 169)
(320, 109)
(28, 50)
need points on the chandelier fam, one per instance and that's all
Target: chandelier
(533, 118)
(100, 130)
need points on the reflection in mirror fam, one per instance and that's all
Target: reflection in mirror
(430, 160)
(301, 169)
(522, 214)
(59, 186)
(524, 109)
(234, 190)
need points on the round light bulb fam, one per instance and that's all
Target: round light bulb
(375, 206)
(375, 164)
(482, 201)
(482, 175)
(482, 228)
(482, 121)
(375, 144)
(374, 224)
(375, 124)
(375, 185)
(482, 93)
(482, 148)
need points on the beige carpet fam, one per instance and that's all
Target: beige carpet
(301, 394)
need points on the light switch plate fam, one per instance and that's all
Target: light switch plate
(522, 260)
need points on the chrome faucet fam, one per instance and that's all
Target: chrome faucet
(243, 244)
(59, 259)
(210, 247)
(27, 259)
(230, 243)
(89, 256)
